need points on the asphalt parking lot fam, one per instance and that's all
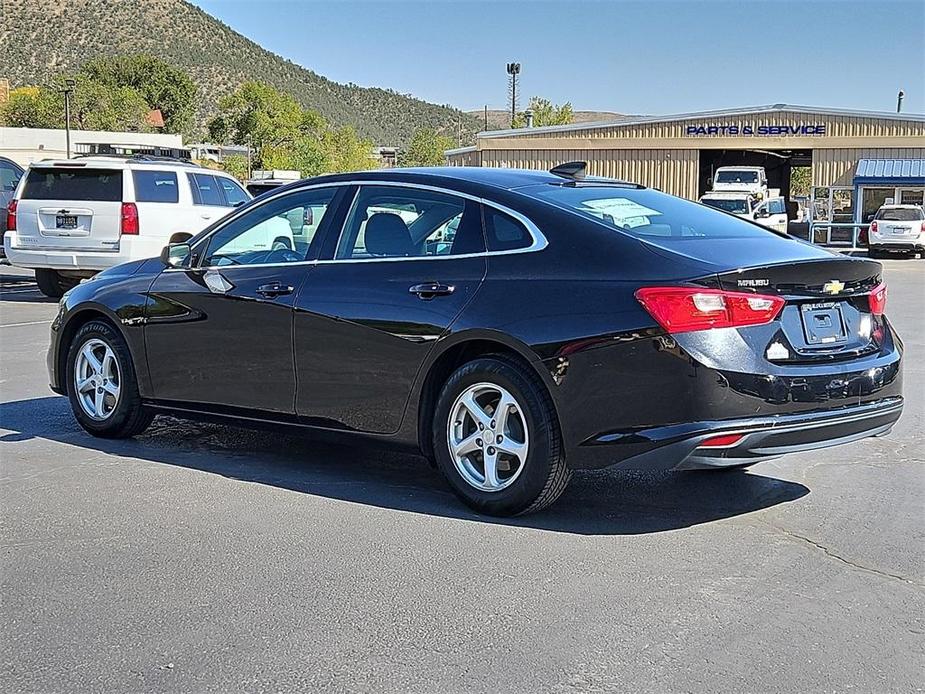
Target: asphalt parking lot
(205, 558)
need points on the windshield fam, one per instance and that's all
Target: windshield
(736, 176)
(735, 206)
(646, 213)
(901, 215)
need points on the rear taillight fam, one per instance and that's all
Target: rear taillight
(684, 309)
(129, 219)
(877, 300)
(873, 226)
(11, 215)
(922, 228)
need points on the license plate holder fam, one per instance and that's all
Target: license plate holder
(823, 323)
(66, 221)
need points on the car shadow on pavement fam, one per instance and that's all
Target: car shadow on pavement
(22, 288)
(603, 502)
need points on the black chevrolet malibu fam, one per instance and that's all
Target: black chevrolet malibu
(511, 325)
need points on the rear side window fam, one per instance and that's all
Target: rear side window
(73, 184)
(504, 232)
(776, 206)
(155, 186)
(234, 194)
(206, 190)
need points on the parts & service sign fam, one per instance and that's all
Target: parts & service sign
(768, 130)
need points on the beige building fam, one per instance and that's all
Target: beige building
(679, 153)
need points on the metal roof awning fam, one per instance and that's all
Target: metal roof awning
(891, 171)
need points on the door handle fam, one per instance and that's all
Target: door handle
(273, 289)
(428, 290)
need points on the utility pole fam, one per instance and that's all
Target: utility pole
(513, 71)
(486, 117)
(69, 85)
(899, 101)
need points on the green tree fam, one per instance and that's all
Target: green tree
(262, 117)
(283, 135)
(162, 86)
(545, 113)
(425, 149)
(236, 165)
(346, 151)
(94, 106)
(800, 179)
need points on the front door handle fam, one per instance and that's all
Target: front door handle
(428, 290)
(273, 290)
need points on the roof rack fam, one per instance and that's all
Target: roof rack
(141, 158)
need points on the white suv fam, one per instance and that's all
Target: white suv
(897, 228)
(70, 219)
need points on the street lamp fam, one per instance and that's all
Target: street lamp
(69, 85)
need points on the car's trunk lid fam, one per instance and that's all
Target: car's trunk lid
(827, 314)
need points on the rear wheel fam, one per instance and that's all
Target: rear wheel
(101, 383)
(496, 438)
(51, 284)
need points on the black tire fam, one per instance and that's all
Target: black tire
(129, 417)
(545, 473)
(50, 283)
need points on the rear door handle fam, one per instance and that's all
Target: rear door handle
(273, 289)
(428, 290)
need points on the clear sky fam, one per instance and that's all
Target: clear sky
(654, 57)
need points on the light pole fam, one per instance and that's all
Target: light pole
(899, 101)
(69, 85)
(513, 71)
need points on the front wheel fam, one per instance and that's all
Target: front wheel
(496, 438)
(101, 383)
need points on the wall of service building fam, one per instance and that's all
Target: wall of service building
(665, 151)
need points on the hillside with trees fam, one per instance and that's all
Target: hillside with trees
(218, 59)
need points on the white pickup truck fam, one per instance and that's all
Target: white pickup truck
(741, 179)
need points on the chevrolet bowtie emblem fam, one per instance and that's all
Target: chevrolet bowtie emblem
(833, 286)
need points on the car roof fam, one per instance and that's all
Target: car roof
(124, 163)
(485, 176)
(906, 206)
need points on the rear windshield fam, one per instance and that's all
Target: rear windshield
(734, 206)
(901, 215)
(73, 184)
(736, 176)
(646, 213)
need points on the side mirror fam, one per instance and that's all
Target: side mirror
(762, 214)
(176, 254)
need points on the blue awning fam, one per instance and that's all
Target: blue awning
(891, 171)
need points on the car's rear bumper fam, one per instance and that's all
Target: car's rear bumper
(912, 244)
(681, 446)
(80, 259)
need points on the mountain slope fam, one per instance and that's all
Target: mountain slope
(40, 38)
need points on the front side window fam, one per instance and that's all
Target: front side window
(646, 212)
(776, 206)
(275, 232)
(206, 190)
(400, 222)
(155, 186)
(234, 194)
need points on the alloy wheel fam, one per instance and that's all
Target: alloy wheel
(97, 380)
(487, 437)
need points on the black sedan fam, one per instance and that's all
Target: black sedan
(510, 325)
